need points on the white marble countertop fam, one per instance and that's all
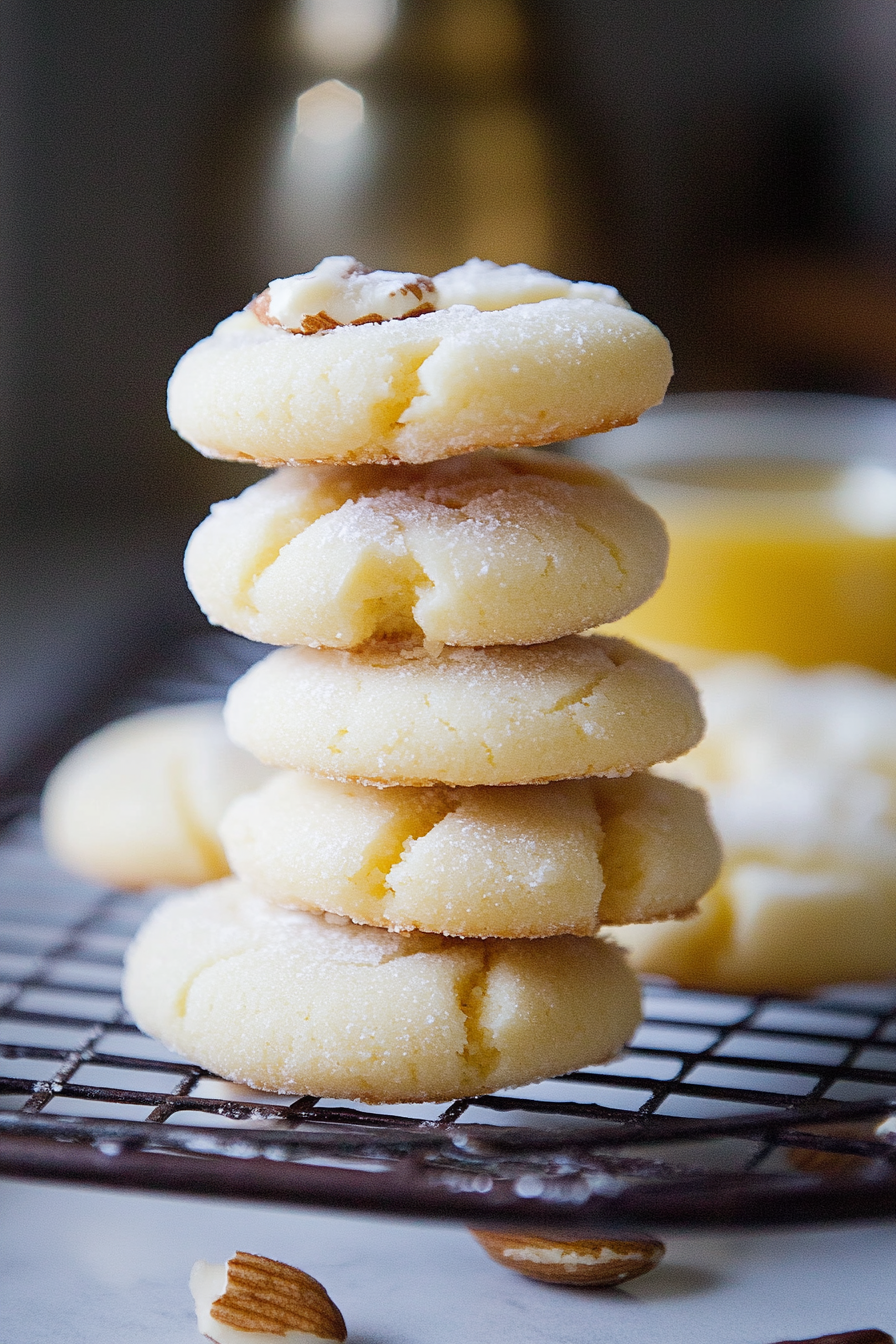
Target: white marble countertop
(81, 1266)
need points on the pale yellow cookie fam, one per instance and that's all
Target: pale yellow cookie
(138, 803)
(549, 359)
(290, 1002)
(527, 862)
(585, 705)
(800, 770)
(517, 548)
(768, 928)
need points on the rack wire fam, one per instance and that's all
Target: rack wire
(721, 1110)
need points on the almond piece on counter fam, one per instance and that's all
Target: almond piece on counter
(817, 1162)
(558, 1259)
(252, 1299)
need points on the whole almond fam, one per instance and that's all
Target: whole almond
(558, 1259)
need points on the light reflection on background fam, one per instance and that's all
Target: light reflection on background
(436, 151)
(328, 114)
(344, 34)
(324, 158)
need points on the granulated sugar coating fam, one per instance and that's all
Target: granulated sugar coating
(585, 705)
(288, 1002)
(516, 548)
(536, 860)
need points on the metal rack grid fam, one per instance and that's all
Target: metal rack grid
(721, 1110)
(703, 1118)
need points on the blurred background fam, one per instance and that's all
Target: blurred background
(730, 167)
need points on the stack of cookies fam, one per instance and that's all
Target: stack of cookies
(463, 800)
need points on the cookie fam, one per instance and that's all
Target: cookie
(279, 383)
(139, 802)
(800, 771)
(518, 548)
(584, 705)
(800, 766)
(768, 928)
(532, 861)
(292, 1002)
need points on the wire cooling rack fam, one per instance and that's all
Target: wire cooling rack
(721, 1110)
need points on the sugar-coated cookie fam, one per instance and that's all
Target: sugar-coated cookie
(516, 548)
(139, 802)
(800, 769)
(292, 1002)
(798, 764)
(584, 705)
(532, 861)
(284, 382)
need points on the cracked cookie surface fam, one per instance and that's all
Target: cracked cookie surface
(291, 1002)
(531, 861)
(515, 548)
(584, 705)
(418, 389)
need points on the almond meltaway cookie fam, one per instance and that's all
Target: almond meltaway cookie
(532, 861)
(776, 928)
(800, 769)
(343, 364)
(292, 1002)
(138, 803)
(513, 548)
(391, 714)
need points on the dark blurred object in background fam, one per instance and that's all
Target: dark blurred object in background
(103, 110)
(743, 156)
(731, 167)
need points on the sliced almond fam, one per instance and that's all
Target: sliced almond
(262, 1299)
(560, 1259)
